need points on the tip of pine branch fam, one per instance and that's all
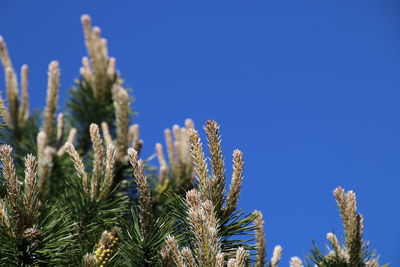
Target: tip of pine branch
(9, 71)
(133, 154)
(96, 31)
(189, 123)
(69, 146)
(85, 18)
(53, 65)
(2, 43)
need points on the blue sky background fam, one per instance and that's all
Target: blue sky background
(308, 90)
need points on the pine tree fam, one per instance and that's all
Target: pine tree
(74, 191)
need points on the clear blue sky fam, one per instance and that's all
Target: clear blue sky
(308, 90)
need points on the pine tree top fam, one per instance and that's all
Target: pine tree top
(75, 191)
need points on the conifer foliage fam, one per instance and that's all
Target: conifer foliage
(75, 191)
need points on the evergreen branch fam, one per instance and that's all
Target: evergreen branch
(10, 175)
(188, 257)
(24, 108)
(204, 225)
(22, 139)
(276, 256)
(101, 72)
(80, 168)
(108, 180)
(60, 129)
(70, 140)
(217, 163)
(57, 247)
(30, 191)
(51, 101)
(163, 164)
(145, 203)
(355, 251)
(242, 257)
(179, 174)
(200, 164)
(260, 238)
(134, 137)
(84, 109)
(138, 251)
(296, 262)
(122, 113)
(176, 253)
(98, 156)
(236, 183)
(9, 253)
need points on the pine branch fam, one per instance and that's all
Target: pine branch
(139, 251)
(83, 109)
(355, 251)
(30, 236)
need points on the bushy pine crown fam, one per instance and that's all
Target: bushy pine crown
(74, 191)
